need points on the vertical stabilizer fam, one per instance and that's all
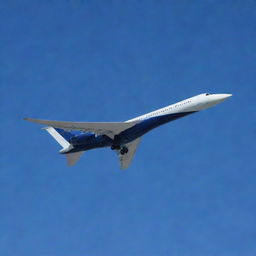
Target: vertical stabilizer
(63, 142)
(61, 137)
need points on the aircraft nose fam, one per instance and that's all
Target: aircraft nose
(218, 98)
(225, 96)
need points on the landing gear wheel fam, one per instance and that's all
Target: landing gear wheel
(113, 147)
(124, 150)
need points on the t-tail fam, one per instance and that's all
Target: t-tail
(63, 137)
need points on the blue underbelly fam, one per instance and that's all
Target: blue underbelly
(147, 125)
(94, 142)
(128, 135)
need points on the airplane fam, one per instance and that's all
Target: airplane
(123, 137)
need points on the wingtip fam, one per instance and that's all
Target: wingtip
(29, 119)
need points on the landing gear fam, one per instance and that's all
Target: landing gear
(113, 147)
(124, 150)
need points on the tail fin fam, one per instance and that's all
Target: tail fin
(63, 137)
(60, 138)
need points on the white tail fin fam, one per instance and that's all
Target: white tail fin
(72, 158)
(65, 144)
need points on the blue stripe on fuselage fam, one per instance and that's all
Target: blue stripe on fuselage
(68, 134)
(86, 142)
(89, 141)
(147, 125)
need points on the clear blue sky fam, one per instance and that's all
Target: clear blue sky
(191, 188)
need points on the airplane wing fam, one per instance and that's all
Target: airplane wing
(126, 159)
(110, 129)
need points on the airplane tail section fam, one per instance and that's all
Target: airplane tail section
(59, 136)
(63, 137)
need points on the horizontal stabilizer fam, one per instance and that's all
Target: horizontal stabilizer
(72, 158)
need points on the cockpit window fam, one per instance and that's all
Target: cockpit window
(207, 94)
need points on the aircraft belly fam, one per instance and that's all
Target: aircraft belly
(147, 125)
(97, 142)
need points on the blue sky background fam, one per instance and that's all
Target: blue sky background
(191, 187)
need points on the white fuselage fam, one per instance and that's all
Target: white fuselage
(193, 104)
(124, 137)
